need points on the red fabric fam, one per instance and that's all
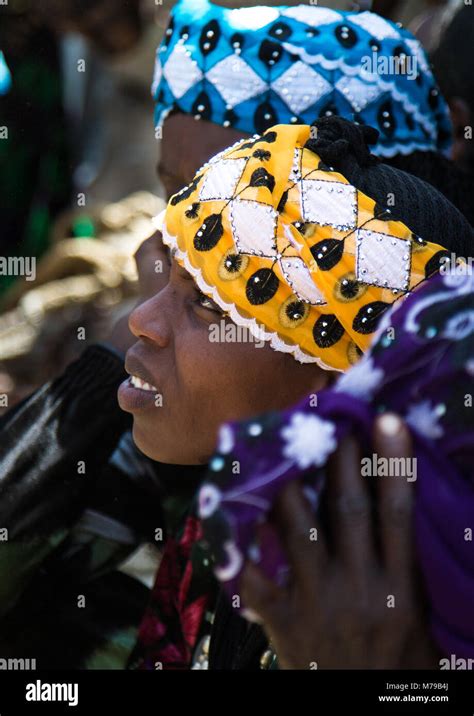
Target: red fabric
(170, 627)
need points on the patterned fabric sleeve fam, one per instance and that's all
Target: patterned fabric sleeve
(421, 366)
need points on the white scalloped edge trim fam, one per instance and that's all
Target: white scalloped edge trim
(367, 76)
(377, 149)
(250, 323)
(319, 59)
(159, 220)
(403, 149)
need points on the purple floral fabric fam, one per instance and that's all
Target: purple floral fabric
(421, 366)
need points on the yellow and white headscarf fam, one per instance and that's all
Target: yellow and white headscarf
(291, 250)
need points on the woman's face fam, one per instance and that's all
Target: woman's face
(185, 385)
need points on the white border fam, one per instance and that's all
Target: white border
(250, 323)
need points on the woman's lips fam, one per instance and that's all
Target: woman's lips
(135, 394)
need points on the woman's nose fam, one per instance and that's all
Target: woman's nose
(151, 319)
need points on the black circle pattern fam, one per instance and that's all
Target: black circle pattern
(208, 235)
(346, 36)
(327, 331)
(348, 288)
(202, 106)
(260, 177)
(367, 318)
(386, 119)
(210, 36)
(270, 52)
(261, 286)
(264, 117)
(328, 253)
(280, 31)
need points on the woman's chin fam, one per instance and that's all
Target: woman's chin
(147, 444)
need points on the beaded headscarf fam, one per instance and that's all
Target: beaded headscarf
(252, 68)
(289, 249)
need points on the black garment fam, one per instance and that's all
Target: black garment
(50, 510)
(71, 420)
(235, 643)
(77, 499)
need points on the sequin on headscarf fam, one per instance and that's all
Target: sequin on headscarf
(252, 68)
(291, 250)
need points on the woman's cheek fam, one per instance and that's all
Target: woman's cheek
(222, 380)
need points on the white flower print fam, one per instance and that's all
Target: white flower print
(209, 500)
(234, 564)
(309, 440)
(423, 418)
(361, 381)
(226, 439)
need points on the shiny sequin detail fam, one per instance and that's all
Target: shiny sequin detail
(383, 260)
(252, 68)
(289, 249)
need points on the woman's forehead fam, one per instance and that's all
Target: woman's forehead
(188, 144)
(181, 271)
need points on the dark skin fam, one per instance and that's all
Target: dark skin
(202, 383)
(172, 324)
(186, 145)
(367, 636)
(340, 585)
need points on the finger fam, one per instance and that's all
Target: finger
(351, 510)
(301, 536)
(395, 500)
(263, 599)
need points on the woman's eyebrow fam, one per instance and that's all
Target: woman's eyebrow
(171, 252)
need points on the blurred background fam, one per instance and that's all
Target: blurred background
(78, 183)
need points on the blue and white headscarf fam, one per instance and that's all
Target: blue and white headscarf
(251, 68)
(5, 77)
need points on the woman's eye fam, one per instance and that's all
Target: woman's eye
(206, 302)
